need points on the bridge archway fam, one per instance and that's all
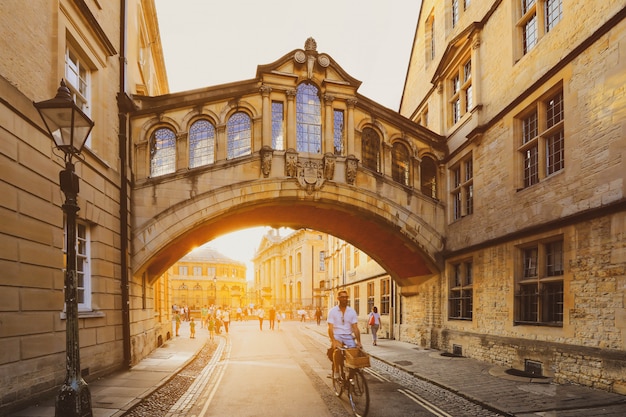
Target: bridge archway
(405, 244)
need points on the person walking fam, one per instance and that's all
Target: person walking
(226, 319)
(279, 317)
(318, 315)
(192, 329)
(374, 322)
(260, 314)
(177, 320)
(272, 317)
(211, 327)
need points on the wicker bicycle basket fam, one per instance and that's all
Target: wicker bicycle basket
(357, 358)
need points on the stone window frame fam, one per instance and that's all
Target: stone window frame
(539, 282)
(78, 78)
(357, 298)
(239, 135)
(401, 164)
(204, 152)
(461, 290)
(461, 93)
(535, 18)
(278, 125)
(162, 151)
(308, 119)
(371, 294)
(540, 129)
(385, 296)
(462, 187)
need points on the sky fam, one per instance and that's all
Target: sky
(209, 42)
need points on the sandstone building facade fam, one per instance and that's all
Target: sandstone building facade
(530, 97)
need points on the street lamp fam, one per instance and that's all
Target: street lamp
(69, 128)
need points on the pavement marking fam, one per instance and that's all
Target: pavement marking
(424, 403)
(376, 375)
(218, 378)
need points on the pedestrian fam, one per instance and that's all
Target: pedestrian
(272, 317)
(211, 327)
(192, 329)
(279, 317)
(177, 320)
(260, 314)
(318, 315)
(226, 319)
(374, 322)
(204, 315)
(343, 326)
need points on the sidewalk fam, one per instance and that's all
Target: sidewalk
(113, 395)
(480, 382)
(490, 386)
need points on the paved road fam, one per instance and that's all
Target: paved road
(285, 373)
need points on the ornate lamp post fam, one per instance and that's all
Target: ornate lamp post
(69, 128)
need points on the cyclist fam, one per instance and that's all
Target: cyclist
(343, 327)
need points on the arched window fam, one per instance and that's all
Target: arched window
(400, 163)
(428, 176)
(370, 149)
(308, 119)
(239, 135)
(201, 144)
(162, 152)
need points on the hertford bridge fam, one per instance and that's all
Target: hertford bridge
(296, 146)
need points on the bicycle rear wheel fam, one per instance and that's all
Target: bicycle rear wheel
(358, 393)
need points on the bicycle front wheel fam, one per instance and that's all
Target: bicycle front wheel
(337, 381)
(359, 394)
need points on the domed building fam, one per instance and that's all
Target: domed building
(206, 277)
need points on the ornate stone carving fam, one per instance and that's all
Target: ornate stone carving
(329, 166)
(351, 167)
(310, 57)
(265, 90)
(266, 160)
(311, 175)
(291, 162)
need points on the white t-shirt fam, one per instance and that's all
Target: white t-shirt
(342, 322)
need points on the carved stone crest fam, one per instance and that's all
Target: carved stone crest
(329, 166)
(311, 175)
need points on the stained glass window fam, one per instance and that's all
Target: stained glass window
(278, 141)
(239, 134)
(370, 149)
(162, 152)
(201, 144)
(338, 132)
(308, 119)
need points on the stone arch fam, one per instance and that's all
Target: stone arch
(405, 243)
(234, 106)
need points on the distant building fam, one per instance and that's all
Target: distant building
(206, 277)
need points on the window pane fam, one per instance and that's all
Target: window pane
(530, 262)
(554, 13)
(400, 164)
(201, 143)
(162, 152)
(555, 153)
(277, 126)
(370, 144)
(338, 131)
(308, 119)
(531, 167)
(530, 33)
(554, 259)
(239, 135)
(554, 110)
(529, 128)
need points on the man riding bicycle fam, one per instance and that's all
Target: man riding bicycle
(343, 327)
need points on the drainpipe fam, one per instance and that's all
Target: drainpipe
(124, 105)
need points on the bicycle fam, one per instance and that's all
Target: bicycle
(353, 380)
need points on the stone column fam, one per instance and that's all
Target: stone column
(290, 138)
(266, 139)
(350, 146)
(329, 139)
